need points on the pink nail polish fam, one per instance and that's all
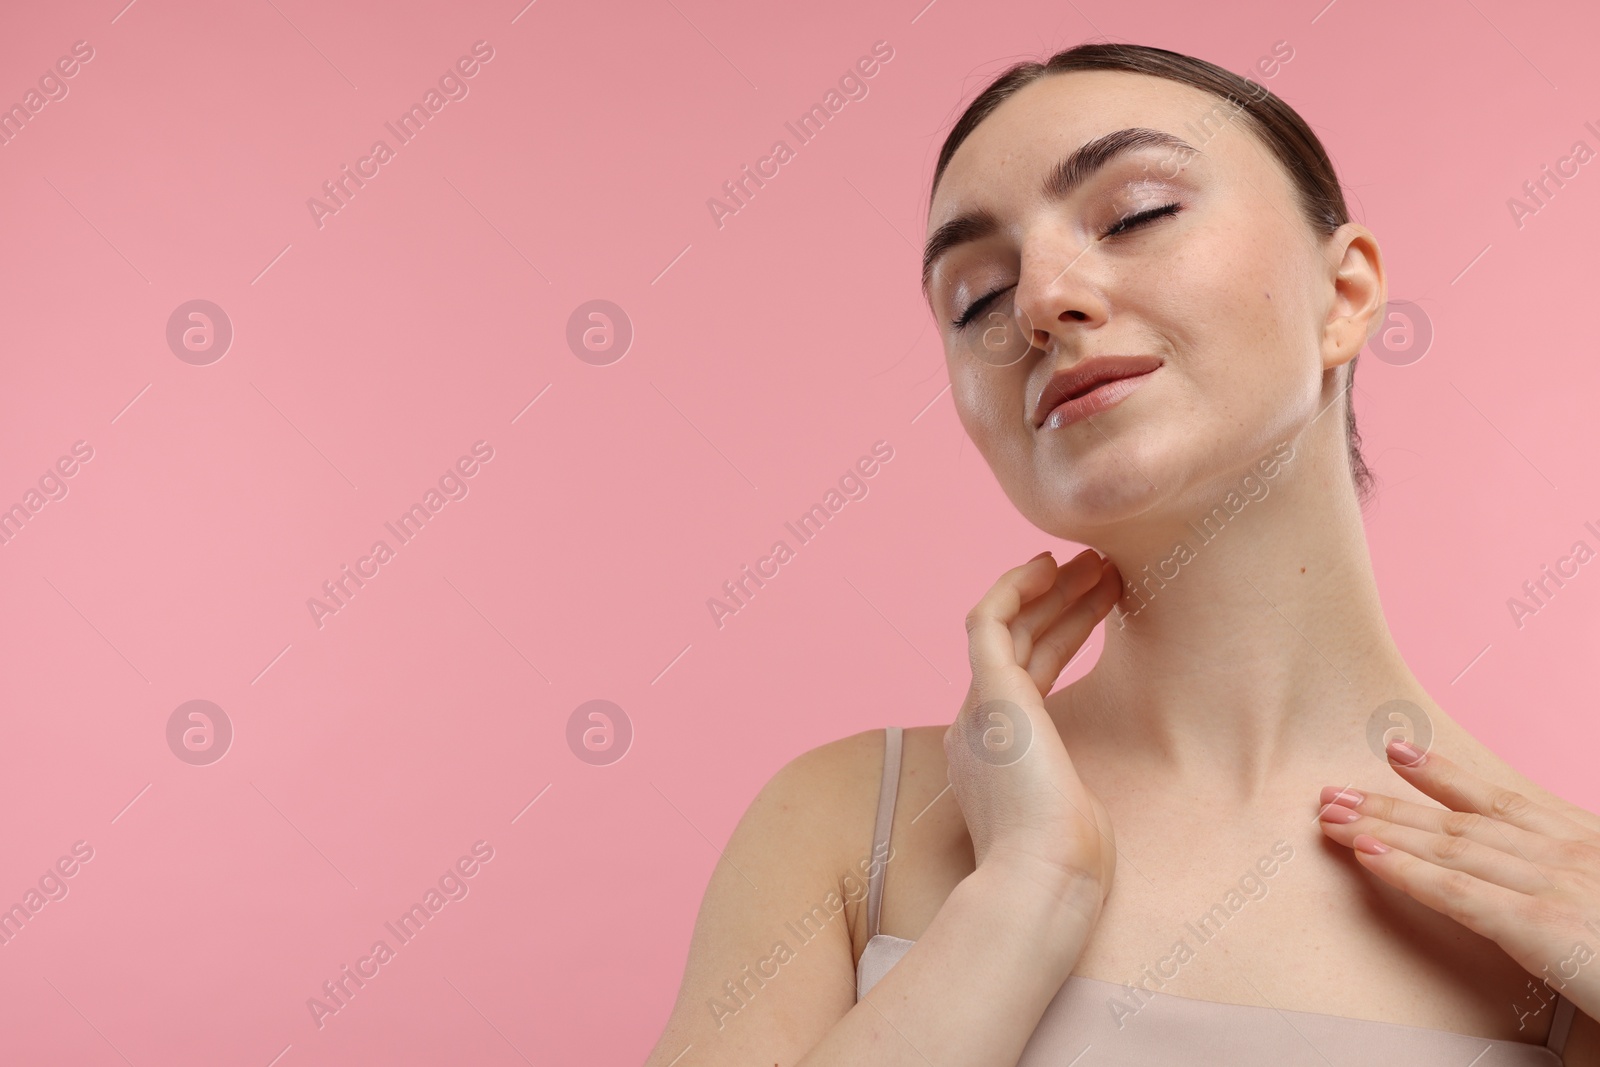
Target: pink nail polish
(1334, 795)
(1370, 845)
(1406, 754)
(1339, 813)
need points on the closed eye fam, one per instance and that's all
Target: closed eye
(1121, 226)
(978, 305)
(1140, 218)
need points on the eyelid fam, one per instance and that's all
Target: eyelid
(1142, 217)
(964, 318)
(1146, 190)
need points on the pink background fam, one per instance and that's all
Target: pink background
(768, 355)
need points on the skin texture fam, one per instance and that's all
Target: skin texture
(1222, 702)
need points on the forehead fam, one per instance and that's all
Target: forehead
(1044, 120)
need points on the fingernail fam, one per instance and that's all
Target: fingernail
(1370, 845)
(1332, 794)
(1041, 555)
(1406, 754)
(1338, 813)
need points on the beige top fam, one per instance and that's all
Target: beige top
(1083, 1026)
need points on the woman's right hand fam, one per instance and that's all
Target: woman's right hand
(1023, 801)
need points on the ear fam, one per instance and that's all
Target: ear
(1360, 294)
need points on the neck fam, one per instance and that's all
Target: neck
(1250, 640)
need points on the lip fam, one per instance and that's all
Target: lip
(1098, 382)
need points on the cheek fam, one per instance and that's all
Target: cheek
(1271, 283)
(1232, 306)
(1268, 380)
(1211, 287)
(989, 401)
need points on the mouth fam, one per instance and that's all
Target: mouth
(1091, 387)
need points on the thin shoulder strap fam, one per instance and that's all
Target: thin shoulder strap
(880, 831)
(1560, 1024)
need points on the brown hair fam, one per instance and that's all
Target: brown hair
(1273, 122)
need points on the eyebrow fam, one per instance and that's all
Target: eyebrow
(1066, 176)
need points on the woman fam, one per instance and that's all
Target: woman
(1152, 299)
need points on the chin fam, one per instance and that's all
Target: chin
(1089, 501)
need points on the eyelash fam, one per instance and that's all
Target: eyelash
(1121, 226)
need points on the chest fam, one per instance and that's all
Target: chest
(1263, 911)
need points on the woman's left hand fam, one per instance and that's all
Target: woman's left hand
(1517, 872)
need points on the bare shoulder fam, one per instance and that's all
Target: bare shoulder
(831, 791)
(770, 964)
(820, 804)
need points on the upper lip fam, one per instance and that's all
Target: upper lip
(1097, 370)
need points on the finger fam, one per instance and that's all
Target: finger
(1054, 648)
(990, 647)
(1481, 861)
(1485, 909)
(1535, 848)
(1072, 580)
(1456, 787)
(1075, 578)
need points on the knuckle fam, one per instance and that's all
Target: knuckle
(973, 620)
(1450, 848)
(1455, 887)
(1579, 856)
(1460, 823)
(1508, 805)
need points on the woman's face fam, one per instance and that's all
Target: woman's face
(1228, 288)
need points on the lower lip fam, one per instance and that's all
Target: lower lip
(1094, 401)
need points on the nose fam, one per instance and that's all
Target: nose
(1059, 289)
